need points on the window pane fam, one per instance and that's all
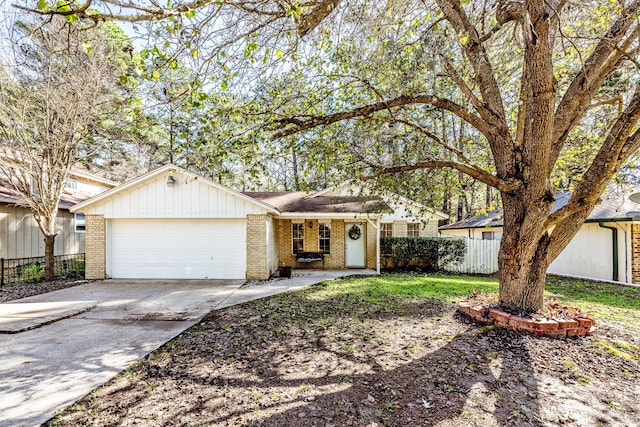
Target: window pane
(324, 238)
(71, 184)
(386, 230)
(413, 229)
(487, 235)
(297, 234)
(79, 222)
(298, 231)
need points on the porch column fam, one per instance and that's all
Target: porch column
(376, 225)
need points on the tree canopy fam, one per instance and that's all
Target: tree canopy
(525, 96)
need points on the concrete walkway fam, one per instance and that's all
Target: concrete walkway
(57, 347)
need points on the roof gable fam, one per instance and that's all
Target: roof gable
(189, 196)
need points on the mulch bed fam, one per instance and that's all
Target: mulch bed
(23, 290)
(305, 359)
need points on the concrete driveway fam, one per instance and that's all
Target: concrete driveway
(57, 347)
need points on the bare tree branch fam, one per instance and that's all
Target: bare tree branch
(481, 176)
(48, 107)
(299, 124)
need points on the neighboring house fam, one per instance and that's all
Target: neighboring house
(20, 236)
(408, 219)
(607, 247)
(171, 223)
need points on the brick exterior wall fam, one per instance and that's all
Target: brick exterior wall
(311, 235)
(399, 229)
(635, 253)
(95, 247)
(430, 229)
(285, 247)
(257, 268)
(336, 258)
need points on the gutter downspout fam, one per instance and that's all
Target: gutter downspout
(614, 248)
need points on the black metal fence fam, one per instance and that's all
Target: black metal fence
(25, 270)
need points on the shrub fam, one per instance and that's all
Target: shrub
(420, 253)
(33, 272)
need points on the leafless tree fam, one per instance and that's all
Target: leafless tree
(51, 100)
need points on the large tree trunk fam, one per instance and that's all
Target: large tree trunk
(523, 257)
(49, 260)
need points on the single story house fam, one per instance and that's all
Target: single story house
(607, 247)
(171, 223)
(20, 236)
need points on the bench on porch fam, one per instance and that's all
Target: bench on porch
(306, 257)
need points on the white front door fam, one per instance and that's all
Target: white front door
(355, 245)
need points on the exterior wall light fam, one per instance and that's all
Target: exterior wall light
(170, 181)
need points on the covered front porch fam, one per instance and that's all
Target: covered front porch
(328, 242)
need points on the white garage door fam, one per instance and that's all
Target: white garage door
(176, 249)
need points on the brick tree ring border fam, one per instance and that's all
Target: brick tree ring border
(539, 326)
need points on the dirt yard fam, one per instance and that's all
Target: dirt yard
(326, 356)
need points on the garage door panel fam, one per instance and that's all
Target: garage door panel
(191, 249)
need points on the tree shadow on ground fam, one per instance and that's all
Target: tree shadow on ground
(308, 359)
(480, 377)
(393, 362)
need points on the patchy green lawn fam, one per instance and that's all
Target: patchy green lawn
(388, 350)
(601, 300)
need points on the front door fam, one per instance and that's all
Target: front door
(355, 245)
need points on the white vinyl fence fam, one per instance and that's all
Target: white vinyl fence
(481, 258)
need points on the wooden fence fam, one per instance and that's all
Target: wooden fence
(481, 258)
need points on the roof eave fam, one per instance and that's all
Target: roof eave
(337, 215)
(444, 227)
(625, 219)
(587, 221)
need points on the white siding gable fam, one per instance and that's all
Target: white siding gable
(188, 197)
(404, 212)
(86, 187)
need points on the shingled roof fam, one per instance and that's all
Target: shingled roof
(615, 206)
(67, 200)
(299, 202)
